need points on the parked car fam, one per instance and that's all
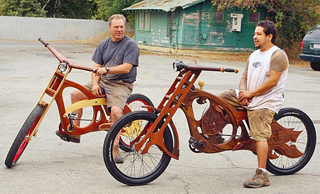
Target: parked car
(310, 47)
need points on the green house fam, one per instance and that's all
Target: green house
(194, 24)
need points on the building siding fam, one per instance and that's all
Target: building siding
(194, 28)
(157, 35)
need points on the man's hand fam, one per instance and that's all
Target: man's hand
(245, 97)
(96, 90)
(99, 71)
(244, 102)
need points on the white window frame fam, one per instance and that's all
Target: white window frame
(144, 21)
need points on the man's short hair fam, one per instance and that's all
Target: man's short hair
(269, 28)
(116, 16)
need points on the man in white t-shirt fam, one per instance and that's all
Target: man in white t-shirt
(261, 92)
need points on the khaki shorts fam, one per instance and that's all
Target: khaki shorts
(117, 92)
(260, 123)
(259, 120)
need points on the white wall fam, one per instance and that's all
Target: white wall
(30, 28)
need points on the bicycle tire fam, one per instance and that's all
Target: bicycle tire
(297, 120)
(135, 102)
(22, 139)
(150, 165)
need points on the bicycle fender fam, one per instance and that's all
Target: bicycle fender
(85, 103)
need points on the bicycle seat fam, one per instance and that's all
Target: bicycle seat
(240, 114)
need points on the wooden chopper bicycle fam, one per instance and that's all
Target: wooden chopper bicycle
(154, 137)
(54, 92)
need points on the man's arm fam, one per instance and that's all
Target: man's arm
(278, 64)
(119, 69)
(96, 90)
(243, 85)
(243, 80)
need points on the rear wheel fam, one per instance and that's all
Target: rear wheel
(296, 120)
(135, 103)
(21, 141)
(315, 66)
(137, 168)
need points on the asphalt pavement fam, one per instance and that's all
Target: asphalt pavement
(50, 165)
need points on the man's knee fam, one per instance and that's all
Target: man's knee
(116, 112)
(230, 97)
(77, 95)
(260, 124)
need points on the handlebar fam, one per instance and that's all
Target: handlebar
(44, 43)
(179, 65)
(62, 58)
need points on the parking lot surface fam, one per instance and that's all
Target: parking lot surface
(50, 165)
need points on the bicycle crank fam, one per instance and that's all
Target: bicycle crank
(194, 145)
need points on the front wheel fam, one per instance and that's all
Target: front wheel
(296, 120)
(135, 102)
(23, 137)
(136, 169)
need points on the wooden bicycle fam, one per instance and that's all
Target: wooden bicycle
(54, 92)
(155, 140)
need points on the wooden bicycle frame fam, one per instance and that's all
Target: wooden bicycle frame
(182, 94)
(54, 91)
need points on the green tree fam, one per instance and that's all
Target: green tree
(31, 8)
(109, 7)
(82, 9)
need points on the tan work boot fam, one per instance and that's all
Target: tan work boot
(260, 179)
(117, 158)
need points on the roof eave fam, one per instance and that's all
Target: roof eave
(140, 7)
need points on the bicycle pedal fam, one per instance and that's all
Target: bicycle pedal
(196, 144)
(72, 116)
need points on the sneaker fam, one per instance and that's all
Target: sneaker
(117, 158)
(68, 138)
(260, 179)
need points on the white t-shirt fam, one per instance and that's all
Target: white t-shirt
(258, 73)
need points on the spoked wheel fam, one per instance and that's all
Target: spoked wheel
(135, 102)
(296, 120)
(137, 169)
(23, 137)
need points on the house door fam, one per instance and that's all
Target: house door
(172, 30)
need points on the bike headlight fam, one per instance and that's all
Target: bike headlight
(178, 65)
(63, 67)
